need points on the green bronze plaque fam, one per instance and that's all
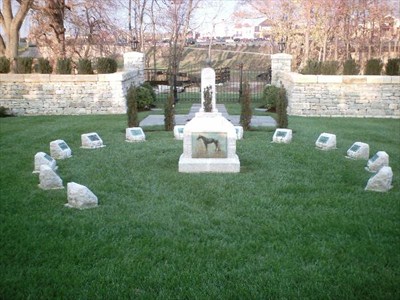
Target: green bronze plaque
(136, 132)
(93, 138)
(63, 146)
(355, 148)
(323, 139)
(281, 134)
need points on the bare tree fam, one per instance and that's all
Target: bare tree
(81, 29)
(11, 24)
(177, 17)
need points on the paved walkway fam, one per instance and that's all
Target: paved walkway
(256, 121)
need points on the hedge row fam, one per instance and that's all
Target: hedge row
(26, 65)
(350, 67)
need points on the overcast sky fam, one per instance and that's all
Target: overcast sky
(217, 12)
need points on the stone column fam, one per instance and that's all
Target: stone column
(280, 62)
(208, 82)
(133, 60)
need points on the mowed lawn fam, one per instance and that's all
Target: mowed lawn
(295, 223)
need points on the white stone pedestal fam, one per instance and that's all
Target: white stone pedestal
(209, 145)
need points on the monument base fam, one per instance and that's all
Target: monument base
(209, 165)
(209, 145)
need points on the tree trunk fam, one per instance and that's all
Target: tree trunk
(12, 47)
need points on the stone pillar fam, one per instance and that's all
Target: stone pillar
(280, 62)
(133, 60)
(208, 82)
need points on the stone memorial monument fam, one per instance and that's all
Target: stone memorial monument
(134, 134)
(42, 158)
(79, 196)
(358, 151)
(49, 180)
(379, 160)
(381, 181)
(209, 139)
(326, 141)
(239, 132)
(59, 149)
(282, 135)
(91, 141)
(178, 132)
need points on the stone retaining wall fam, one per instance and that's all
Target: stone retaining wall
(346, 96)
(48, 94)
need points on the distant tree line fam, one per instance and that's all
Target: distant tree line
(331, 30)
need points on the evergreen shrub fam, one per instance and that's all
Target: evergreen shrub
(85, 66)
(64, 66)
(393, 67)
(148, 86)
(4, 65)
(312, 67)
(131, 103)
(24, 65)
(169, 113)
(270, 94)
(106, 65)
(44, 66)
(373, 67)
(329, 67)
(246, 112)
(350, 67)
(281, 109)
(5, 112)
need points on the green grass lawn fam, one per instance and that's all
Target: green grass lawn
(295, 223)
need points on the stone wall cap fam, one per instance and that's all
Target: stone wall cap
(329, 78)
(281, 56)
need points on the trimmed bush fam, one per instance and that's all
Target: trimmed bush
(64, 66)
(144, 98)
(329, 67)
(5, 112)
(4, 65)
(393, 67)
(350, 67)
(246, 112)
(131, 103)
(85, 66)
(373, 67)
(281, 109)
(148, 86)
(106, 65)
(24, 65)
(270, 94)
(313, 67)
(44, 66)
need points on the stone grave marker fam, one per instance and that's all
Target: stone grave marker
(379, 160)
(134, 134)
(42, 158)
(91, 141)
(178, 132)
(239, 132)
(282, 135)
(79, 196)
(358, 150)
(60, 150)
(326, 141)
(381, 181)
(49, 180)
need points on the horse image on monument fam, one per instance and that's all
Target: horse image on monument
(209, 145)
